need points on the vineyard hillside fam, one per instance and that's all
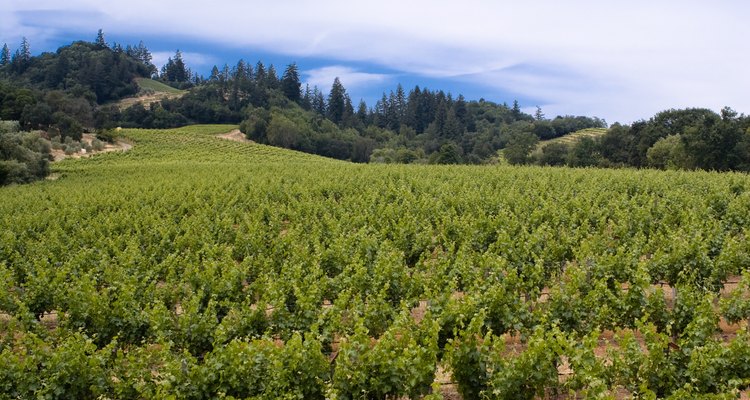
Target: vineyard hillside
(150, 91)
(196, 267)
(573, 138)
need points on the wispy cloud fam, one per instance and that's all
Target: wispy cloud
(160, 58)
(620, 60)
(349, 77)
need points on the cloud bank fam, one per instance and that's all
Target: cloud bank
(349, 77)
(620, 61)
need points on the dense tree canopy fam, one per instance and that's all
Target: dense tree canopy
(24, 156)
(693, 138)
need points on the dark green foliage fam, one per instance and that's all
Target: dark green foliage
(336, 106)
(142, 54)
(60, 92)
(584, 153)
(66, 126)
(554, 154)
(5, 55)
(690, 138)
(24, 156)
(106, 74)
(448, 154)
(290, 84)
(175, 71)
(99, 41)
(519, 147)
(256, 126)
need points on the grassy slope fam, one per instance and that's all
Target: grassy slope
(155, 86)
(574, 137)
(151, 91)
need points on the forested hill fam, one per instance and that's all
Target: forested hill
(77, 89)
(63, 93)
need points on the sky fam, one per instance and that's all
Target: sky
(621, 61)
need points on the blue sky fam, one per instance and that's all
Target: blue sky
(621, 61)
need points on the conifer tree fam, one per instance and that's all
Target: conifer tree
(336, 101)
(538, 115)
(462, 113)
(400, 103)
(516, 110)
(175, 70)
(318, 102)
(214, 74)
(25, 51)
(272, 79)
(240, 71)
(100, 42)
(22, 57)
(5, 55)
(362, 112)
(260, 74)
(290, 83)
(307, 98)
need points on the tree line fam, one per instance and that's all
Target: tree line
(414, 126)
(77, 88)
(693, 138)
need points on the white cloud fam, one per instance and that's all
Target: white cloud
(160, 58)
(622, 60)
(349, 77)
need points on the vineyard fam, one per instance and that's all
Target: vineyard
(574, 137)
(193, 267)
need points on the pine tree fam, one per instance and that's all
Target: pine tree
(452, 128)
(214, 74)
(5, 55)
(22, 57)
(462, 113)
(260, 74)
(100, 42)
(175, 70)
(224, 75)
(411, 119)
(290, 83)
(181, 72)
(362, 112)
(392, 113)
(400, 104)
(307, 98)
(516, 110)
(240, 71)
(336, 102)
(348, 118)
(539, 115)
(318, 102)
(272, 79)
(25, 51)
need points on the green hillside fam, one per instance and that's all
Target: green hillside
(146, 84)
(151, 91)
(196, 267)
(574, 137)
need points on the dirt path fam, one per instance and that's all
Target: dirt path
(147, 99)
(235, 136)
(87, 138)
